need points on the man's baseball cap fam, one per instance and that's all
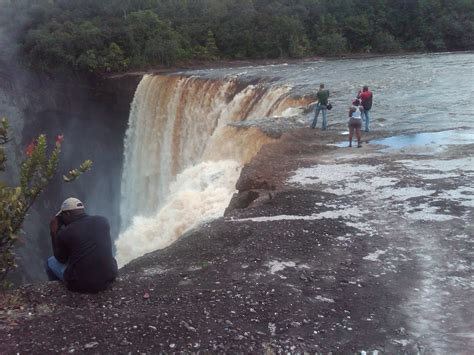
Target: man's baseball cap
(70, 204)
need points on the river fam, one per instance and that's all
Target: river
(183, 146)
(414, 92)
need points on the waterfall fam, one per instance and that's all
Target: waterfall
(182, 160)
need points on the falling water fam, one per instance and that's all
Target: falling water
(182, 160)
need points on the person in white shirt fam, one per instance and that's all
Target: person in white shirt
(355, 121)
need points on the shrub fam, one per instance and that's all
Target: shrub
(36, 172)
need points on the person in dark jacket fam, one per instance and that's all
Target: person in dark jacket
(366, 97)
(322, 105)
(82, 248)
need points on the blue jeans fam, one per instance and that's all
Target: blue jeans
(366, 118)
(316, 114)
(56, 268)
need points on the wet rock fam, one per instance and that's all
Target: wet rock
(241, 200)
(185, 282)
(188, 327)
(304, 277)
(91, 345)
(401, 331)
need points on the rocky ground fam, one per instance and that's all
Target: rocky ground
(326, 249)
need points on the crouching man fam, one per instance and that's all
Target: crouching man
(82, 249)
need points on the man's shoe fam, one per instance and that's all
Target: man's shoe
(359, 145)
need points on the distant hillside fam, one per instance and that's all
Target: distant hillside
(120, 35)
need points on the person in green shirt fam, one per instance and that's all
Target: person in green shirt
(323, 97)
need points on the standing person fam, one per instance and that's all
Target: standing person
(323, 97)
(366, 98)
(82, 249)
(355, 121)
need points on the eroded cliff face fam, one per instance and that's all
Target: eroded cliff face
(92, 114)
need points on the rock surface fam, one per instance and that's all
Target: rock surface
(324, 249)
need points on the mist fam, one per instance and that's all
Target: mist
(91, 115)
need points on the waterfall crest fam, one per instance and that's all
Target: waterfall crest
(182, 160)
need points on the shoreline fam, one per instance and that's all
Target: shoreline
(222, 64)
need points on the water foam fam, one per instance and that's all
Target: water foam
(199, 193)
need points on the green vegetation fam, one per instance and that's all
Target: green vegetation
(36, 172)
(118, 35)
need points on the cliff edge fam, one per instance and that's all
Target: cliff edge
(324, 249)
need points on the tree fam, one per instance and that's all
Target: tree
(154, 41)
(358, 32)
(332, 44)
(211, 47)
(118, 35)
(36, 172)
(384, 43)
(114, 59)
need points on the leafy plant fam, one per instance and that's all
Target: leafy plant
(36, 172)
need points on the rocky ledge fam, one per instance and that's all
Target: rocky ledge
(324, 249)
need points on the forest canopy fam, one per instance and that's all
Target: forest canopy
(120, 35)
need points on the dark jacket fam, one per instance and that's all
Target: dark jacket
(85, 245)
(323, 97)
